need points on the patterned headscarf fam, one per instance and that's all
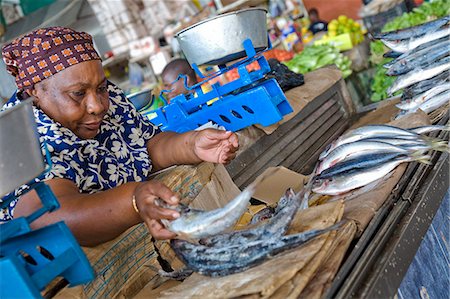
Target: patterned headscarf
(44, 52)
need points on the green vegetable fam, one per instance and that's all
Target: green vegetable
(424, 13)
(317, 56)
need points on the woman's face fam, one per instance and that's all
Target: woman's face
(76, 97)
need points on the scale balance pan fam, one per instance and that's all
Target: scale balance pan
(218, 40)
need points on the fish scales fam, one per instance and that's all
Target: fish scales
(212, 261)
(414, 103)
(422, 86)
(275, 227)
(419, 61)
(417, 51)
(356, 149)
(412, 43)
(361, 162)
(418, 75)
(414, 31)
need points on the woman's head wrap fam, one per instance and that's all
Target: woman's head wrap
(44, 52)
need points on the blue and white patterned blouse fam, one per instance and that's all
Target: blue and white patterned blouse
(117, 155)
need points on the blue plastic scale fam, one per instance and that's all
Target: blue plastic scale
(251, 99)
(31, 259)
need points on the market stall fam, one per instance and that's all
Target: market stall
(326, 198)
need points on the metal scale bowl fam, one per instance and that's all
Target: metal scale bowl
(251, 99)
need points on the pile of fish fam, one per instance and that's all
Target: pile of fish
(367, 154)
(422, 64)
(205, 248)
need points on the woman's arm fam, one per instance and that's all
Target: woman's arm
(169, 148)
(100, 217)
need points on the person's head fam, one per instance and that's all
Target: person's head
(60, 68)
(313, 15)
(170, 74)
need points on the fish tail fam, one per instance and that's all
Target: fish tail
(420, 157)
(437, 144)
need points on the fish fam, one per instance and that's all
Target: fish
(421, 144)
(364, 161)
(435, 102)
(356, 149)
(422, 86)
(221, 261)
(414, 103)
(196, 224)
(366, 132)
(413, 32)
(417, 51)
(428, 129)
(419, 61)
(360, 177)
(419, 75)
(275, 227)
(405, 45)
(392, 54)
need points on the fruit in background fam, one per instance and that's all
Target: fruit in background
(344, 24)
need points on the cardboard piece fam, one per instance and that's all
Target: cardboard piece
(273, 188)
(328, 269)
(269, 276)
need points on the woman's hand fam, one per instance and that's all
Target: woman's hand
(145, 195)
(215, 145)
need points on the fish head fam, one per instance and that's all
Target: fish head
(320, 184)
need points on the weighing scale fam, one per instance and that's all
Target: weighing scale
(31, 259)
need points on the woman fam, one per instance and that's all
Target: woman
(101, 149)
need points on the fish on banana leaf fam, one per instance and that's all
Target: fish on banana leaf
(413, 32)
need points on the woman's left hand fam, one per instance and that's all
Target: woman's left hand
(215, 145)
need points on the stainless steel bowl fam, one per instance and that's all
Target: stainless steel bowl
(140, 99)
(21, 158)
(219, 40)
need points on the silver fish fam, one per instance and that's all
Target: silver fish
(420, 144)
(360, 177)
(414, 103)
(422, 86)
(419, 75)
(419, 60)
(436, 102)
(357, 149)
(274, 228)
(417, 51)
(367, 132)
(428, 129)
(414, 31)
(196, 224)
(412, 43)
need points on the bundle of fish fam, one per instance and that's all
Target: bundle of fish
(368, 154)
(205, 248)
(422, 64)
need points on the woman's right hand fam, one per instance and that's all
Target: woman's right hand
(146, 194)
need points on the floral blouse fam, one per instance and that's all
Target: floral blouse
(117, 155)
